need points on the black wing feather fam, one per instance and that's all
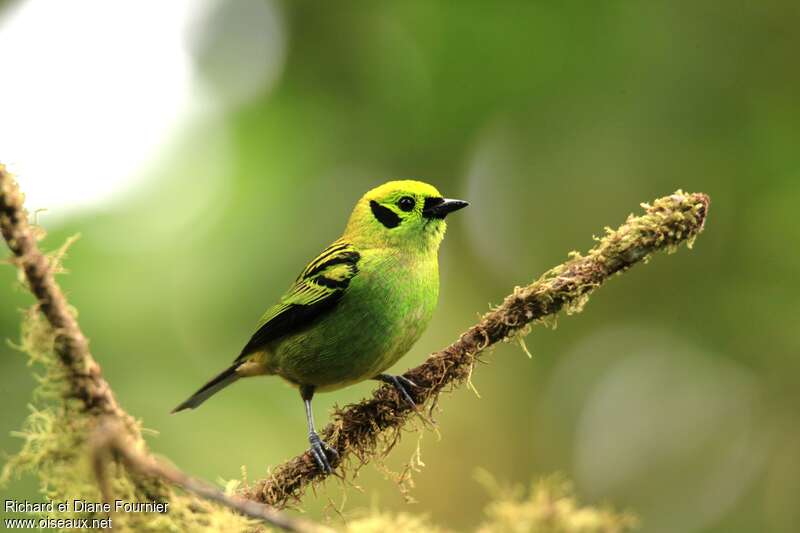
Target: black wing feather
(315, 292)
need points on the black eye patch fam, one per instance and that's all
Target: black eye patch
(431, 202)
(385, 216)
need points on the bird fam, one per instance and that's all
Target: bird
(355, 309)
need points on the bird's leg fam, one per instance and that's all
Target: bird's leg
(400, 383)
(319, 448)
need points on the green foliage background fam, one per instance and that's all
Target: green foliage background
(674, 393)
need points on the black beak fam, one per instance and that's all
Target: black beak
(441, 207)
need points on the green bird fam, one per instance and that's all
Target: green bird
(355, 309)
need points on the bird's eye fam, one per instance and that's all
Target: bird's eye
(406, 203)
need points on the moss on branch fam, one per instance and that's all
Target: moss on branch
(82, 373)
(67, 434)
(74, 403)
(364, 430)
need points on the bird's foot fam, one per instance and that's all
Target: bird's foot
(402, 385)
(320, 450)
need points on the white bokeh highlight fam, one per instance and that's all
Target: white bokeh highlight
(94, 91)
(91, 89)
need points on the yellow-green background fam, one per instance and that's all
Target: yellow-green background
(675, 393)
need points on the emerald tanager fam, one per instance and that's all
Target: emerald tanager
(357, 307)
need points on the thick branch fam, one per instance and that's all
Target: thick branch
(116, 430)
(357, 430)
(85, 378)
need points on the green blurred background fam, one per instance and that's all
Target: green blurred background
(675, 393)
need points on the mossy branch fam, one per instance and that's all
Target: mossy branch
(110, 438)
(112, 428)
(363, 430)
(84, 376)
(359, 432)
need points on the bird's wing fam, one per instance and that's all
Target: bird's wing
(315, 291)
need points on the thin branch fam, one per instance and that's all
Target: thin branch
(358, 431)
(110, 438)
(116, 430)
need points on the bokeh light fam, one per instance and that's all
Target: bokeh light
(95, 92)
(91, 91)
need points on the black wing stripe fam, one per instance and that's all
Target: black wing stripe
(296, 316)
(332, 283)
(330, 250)
(326, 254)
(349, 258)
(293, 317)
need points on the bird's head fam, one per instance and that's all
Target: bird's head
(405, 214)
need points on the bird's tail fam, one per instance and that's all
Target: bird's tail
(225, 378)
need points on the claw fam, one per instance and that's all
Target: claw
(400, 383)
(319, 450)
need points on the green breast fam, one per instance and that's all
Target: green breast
(386, 308)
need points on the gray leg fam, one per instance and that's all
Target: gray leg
(402, 384)
(319, 448)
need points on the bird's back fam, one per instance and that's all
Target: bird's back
(383, 312)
